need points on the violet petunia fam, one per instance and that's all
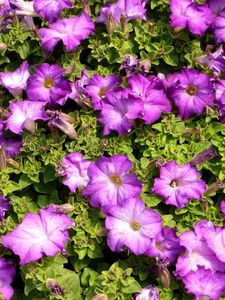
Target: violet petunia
(177, 185)
(132, 226)
(75, 168)
(205, 284)
(110, 15)
(191, 92)
(110, 183)
(45, 233)
(16, 81)
(186, 13)
(50, 9)
(165, 246)
(71, 31)
(216, 6)
(152, 93)
(132, 9)
(219, 27)
(24, 114)
(4, 207)
(7, 274)
(119, 109)
(98, 86)
(5, 8)
(215, 240)
(149, 292)
(48, 85)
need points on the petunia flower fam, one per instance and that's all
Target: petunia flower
(45, 233)
(5, 8)
(119, 109)
(48, 85)
(110, 15)
(186, 13)
(98, 86)
(149, 292)
(7, 274)
(24, 114)
(216, 6)
(191, 91)
(71, 31)
(16, 81)
(205, 284)
(110, 183)
(177, 185)
(75, 168)
(151, 92)
(219, 27)
(50, 9)
(4, 207)
(132, 226)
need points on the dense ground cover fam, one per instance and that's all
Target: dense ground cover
(112, 151)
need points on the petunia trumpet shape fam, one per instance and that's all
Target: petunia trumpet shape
(110, 183)
(177, 185)
(71, 31)
(45, 233)
(7, 273)
(132, 226)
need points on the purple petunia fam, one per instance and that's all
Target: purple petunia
(50, 9)
(191, 91)
(119, 109)
(219, 27)
(4, 207)
(71, 31)
(132, 226)
(98, 86)
(177, 185)
(39, 234)
(187, 13)
(151, 92)
(48, 85)
(110, 183)
(23, 115)
(5, 8)
(216, 6)
(205, 284)
(16, 81)
(7, 273)
(148, 293)
(75, 168)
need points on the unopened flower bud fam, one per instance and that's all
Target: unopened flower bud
(204, 156)
(55, 288)
(65, 208)
(110, 23)
(12, 163)
(3, 159)
(165, 277)
(29, 125)
(3, 46)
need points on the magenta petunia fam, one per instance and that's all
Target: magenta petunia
(177, 185)
(132, 9)
(165, 246)
(205, 284)
(119, 109)
(45, 233)
(5, 8)
(215, 240)
(98, 86)
(149, 292)
(216, 6)
(219, 27)
(132, 226)
(48, 85)
(16, 81)
(71, 31)
(23, 115)
(50, 9)
(152, 93)
(191, 91)
(75, 168)
(110, 15)
(7, 274)
(186, 13)
(110, 183)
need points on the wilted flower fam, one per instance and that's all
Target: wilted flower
(148, 293)
(4, 206)
(205, 284)
(177, 185)
(7, 273)
(132, 226)
(187, 13)
(204, 156)
(16, 81)
(48, 85)
(191, 91)
(50, 9)
(110, 183)
(75, 168)
(98, 86)
(39, 234)
(71, 31)
(119, 108)
(24, 114)
(151, 93)
(23, 8)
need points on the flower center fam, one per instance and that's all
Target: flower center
(173, 183)
(116, 179)
(191, 90)
(49, 83)
(135, 225)
(102, 92)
